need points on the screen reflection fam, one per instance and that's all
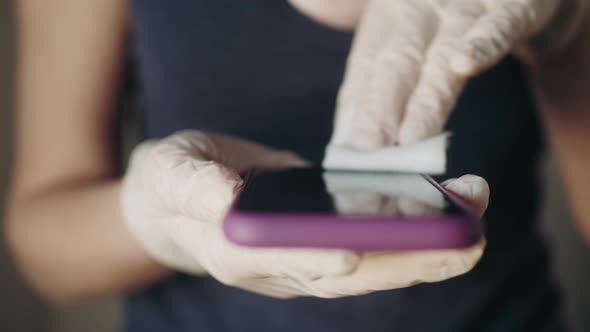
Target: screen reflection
(314, 190)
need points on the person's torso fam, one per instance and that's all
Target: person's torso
(262, 71)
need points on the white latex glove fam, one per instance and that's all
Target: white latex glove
(410, 60)
(390, 270)
(176, 192)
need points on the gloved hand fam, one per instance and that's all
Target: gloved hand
(410, 60)
(177, 190)
(175, 194)
(389, 270)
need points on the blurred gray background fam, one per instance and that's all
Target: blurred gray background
(21, 311)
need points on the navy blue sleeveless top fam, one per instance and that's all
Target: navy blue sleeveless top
(262, 71)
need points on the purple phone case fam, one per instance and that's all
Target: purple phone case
(326, 230)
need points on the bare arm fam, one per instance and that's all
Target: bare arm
(64, 224)
(563, 92)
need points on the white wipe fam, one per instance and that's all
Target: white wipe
(428, 156)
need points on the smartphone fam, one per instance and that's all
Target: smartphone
(316, 208)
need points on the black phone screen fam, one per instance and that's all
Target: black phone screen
(314, 190)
